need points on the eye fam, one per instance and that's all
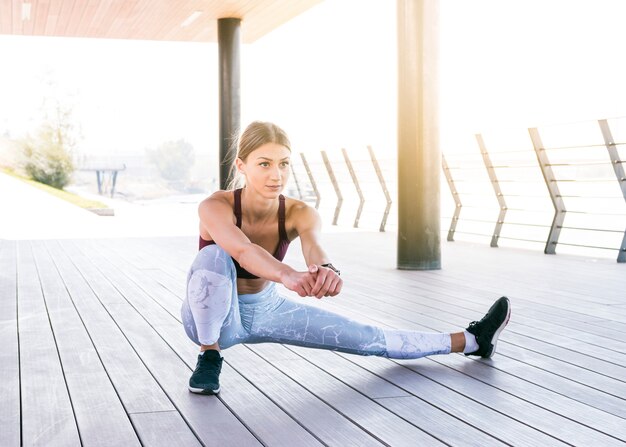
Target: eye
(264, 164)
(284, 164)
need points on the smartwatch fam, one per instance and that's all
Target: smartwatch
(332, 267)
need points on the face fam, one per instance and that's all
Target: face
(266, 169)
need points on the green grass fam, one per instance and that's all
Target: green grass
(67, 196)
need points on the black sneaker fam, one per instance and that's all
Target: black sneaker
(488, 329)
(206, 377)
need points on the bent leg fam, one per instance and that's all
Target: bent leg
(287, 321)
(210, 311)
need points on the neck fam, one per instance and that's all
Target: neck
(256, 206)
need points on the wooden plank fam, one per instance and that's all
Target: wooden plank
(330, 426)
(411, 428)
(75, 18)
(424, 414)
(9, 348)
(536, 358)
(553, 402)
(440, 299)
(163, 428)
(367, 303)
(82, 28)
(93, 22)
(40, 17)
(114, 11)
(50, 23)
(164, 364)
(47, 414)
(368, 384)
(270, 424)
(497, 424)
(611, 362)
(123, 19)
(99, 413)
(63, 20)
(366, 413)
(543, 397)
(6, 17)
(400, 284)
(138, 390)
(16, 17)
(326, 424)
(263, 417)
(421, 414)
(161, 296)
(555, 425)
(431, 300)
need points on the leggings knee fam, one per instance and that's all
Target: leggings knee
(209, 295)
(212, 258)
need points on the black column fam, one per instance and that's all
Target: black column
(228, 31)
(419, 159)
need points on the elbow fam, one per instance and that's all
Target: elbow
(243, 254)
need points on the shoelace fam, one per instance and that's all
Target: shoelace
(489, 323)
(209, 365)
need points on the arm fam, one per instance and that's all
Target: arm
(215, 215)
(308, 226)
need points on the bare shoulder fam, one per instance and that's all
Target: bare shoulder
(218, 199)
(295, 208)
(300, 215)
(215, 212)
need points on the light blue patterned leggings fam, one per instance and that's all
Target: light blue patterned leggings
(213, 311)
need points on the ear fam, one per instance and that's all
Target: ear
(239, 163)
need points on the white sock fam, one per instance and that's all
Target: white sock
(471, 344)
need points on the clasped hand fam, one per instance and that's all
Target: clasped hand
(317, 281)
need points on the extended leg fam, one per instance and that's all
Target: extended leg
(287, 321)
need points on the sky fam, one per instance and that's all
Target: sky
(329, 76)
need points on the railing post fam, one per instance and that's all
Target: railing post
(553, 189)
(295, 179)
(496, 188)
(356, 185)
(618, 167)
(383, 185)
(100, 179)
(318, 197)
(113, 181)
(333, 180)
(455, 196)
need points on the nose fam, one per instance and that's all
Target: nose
(276, 174)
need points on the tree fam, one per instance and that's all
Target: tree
(173, 159)
(48, 154)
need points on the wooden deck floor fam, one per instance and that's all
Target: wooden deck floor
(92, 352)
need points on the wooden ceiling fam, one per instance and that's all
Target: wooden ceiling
(145, 19)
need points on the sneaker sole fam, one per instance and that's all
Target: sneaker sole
(494, 340)
(203, 390)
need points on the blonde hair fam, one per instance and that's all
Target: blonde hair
(254, 136)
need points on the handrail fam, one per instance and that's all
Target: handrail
(577, 188)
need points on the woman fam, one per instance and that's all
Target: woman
(231, 294)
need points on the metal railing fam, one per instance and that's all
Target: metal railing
(550, 187)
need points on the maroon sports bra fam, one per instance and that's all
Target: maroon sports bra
(283, 240)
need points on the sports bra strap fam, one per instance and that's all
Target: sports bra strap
(238, 206)
(282, 231)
